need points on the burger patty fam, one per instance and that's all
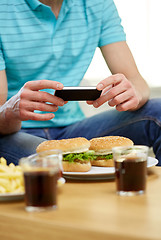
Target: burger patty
(77, 161)
(103, 157)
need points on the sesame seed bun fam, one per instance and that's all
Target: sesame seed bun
(103, 146)
(67, 146)
(70, 145)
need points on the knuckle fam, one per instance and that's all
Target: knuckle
(41, 83)
(36, 106)
(114, 76)
(41, 96)
(112, 93)
(45, 95)
(127, 83)
(21, 104)
(116, 101)
(27, 85)
(119, 76)
(22, 115)
(136, 102)
(23, 94)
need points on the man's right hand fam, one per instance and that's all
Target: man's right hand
(22, 106)
(30, 98)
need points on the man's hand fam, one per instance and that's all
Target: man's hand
(30, 98)
(119, 92)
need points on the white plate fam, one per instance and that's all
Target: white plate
(61, 181)
(152, 162)
(11, 196)
(96, 173)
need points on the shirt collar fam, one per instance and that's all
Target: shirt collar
(33, 4)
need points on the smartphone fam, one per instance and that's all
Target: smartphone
(78, 93)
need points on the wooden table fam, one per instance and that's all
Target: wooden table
(89, 210)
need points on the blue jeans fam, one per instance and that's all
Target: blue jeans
(142, 126)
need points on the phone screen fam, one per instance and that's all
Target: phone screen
(78, 93)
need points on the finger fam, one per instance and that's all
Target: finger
(89, 102)
(120, 98)
(112, 80)
(41, 96)
(131, 104)
(109, 94)
(105, 97)
(103, 93)
(40, 106)
(101, 100)
(26, 115)
(44, 107)
(43, 84)
(105, 90)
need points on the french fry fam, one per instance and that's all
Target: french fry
(2, 189)
(3, 161)
(5, 182)
(11, 178)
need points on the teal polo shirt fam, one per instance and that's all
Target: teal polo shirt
(35, 45)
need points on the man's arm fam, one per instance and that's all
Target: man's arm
(8, 124)
(120, 60)
(3, 87)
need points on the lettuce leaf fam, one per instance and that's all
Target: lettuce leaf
(106, 157)
(86, 156)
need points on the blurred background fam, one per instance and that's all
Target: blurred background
(141, 21)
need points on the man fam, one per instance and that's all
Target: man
(48, 44)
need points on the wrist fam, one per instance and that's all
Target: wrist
(9, 123)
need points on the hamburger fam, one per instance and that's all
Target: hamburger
(76, 154)
(102, 147)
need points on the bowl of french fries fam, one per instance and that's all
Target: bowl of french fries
(11, 180)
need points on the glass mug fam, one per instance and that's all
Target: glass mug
(41, 172)
(130, 169)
